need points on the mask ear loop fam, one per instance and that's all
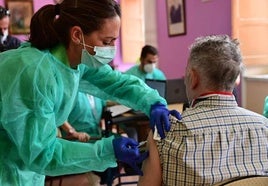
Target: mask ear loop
(84, 44)
(83, 41)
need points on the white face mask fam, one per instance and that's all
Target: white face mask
(148, 68)
(103, 55)
(4, 36)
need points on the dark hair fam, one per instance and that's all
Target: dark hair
(50, 25)
(4, 12)
(148, 49)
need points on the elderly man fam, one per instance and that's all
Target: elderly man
(215, 140)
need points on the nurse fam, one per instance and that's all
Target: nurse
(69, 47)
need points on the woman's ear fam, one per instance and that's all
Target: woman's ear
(76, 34)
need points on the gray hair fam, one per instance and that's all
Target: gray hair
(218, 60)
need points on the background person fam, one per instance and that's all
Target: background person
(86, 115)
(7, 41)
(38, 93)
(215, 140)
(147, 67)
(265, 109)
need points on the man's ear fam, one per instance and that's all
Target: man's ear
(76, 34)
(141, 59)
(195, 79)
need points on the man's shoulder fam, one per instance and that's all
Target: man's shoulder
(159, 73)
(13, 42)
(255, 115)
(13, 39)
(157, 70)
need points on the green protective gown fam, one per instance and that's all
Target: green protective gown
(37, 92)
(156, 74)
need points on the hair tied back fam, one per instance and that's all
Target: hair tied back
(57, 9)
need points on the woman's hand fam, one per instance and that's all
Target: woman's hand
(159, 118)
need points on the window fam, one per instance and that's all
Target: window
(133, 29)
(250, 26)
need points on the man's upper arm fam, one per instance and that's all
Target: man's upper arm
(151, 167)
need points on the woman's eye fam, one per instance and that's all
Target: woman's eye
(106, 43)
(109, 42)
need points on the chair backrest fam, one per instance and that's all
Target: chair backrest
(159, 85)
(246, 181)
(176, 91)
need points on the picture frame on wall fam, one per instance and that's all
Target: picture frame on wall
(176, 17)
(21, 12)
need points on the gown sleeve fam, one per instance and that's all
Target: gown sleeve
(113, 85)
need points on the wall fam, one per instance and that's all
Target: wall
(202, 18)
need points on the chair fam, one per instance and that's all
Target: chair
(113, 174)
(245, 181)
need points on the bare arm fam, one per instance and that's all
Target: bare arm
(151, 167)
(73, 134)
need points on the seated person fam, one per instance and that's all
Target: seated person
(84, 120)
(145, 70)
(215, 140)
(7, 41)
(147, 67)
(84, 124)
(86, 115)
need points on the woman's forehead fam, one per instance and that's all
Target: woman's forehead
(110, 28)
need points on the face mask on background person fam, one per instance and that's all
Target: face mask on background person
(103, 55)
(148, 68)
(3, 36)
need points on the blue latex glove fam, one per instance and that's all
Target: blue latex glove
(126, 150)
(159, 117)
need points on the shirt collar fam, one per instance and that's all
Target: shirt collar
(211, 98)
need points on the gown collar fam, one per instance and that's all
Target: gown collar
(59, 52)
